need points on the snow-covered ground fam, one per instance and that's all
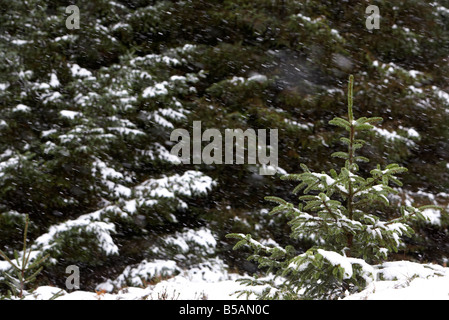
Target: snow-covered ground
(189, 285)
(434, 288)
(403, 280)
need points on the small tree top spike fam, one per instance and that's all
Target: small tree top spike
(350, 98)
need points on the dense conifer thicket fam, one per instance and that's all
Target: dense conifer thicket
(86, 116)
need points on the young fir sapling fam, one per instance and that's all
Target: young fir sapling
(25, 266)
(339, 212)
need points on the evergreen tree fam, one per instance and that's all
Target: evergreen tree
(24, 267)
(84, 137)
(339, 212)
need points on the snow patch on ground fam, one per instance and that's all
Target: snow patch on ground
(435, 288)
